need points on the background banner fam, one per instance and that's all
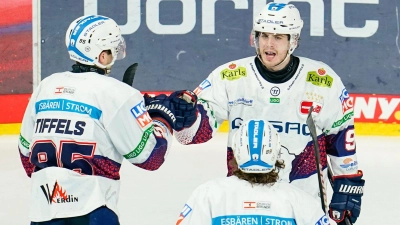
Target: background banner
(15, 46)
(177, 43)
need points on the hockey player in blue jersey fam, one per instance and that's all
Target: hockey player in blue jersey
(253, 194)
(277, 85)
(80, 125)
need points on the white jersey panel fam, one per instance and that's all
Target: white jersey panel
(236, 92)
(233, 201)
(87, 123)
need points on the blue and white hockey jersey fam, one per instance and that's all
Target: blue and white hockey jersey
(77, 129)
(236, 91)
(229, 200)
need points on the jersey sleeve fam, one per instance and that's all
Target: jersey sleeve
(141, 140)
(307, 210)
(197, 210)
(337, 123)
(212, 108)
(26, 133)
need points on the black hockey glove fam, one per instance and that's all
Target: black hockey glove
(160, 106)
(185, 106)
(346, 199)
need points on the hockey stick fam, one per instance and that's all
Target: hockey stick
(313, 133)
(129, 74)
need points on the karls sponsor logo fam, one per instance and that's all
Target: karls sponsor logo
(305, 107)
(243, 101)
(191, 9)
(140, 113)
(57, 195)
(64, 90)
(275, 91)
(347, 102)
(233, 74)
(205, 84)
(319, 80)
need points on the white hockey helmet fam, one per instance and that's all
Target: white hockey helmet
(256, 146)
(88, 36)
(279, 18)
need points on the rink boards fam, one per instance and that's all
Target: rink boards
(373, 114)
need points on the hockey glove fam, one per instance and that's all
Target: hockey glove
(346, 199)
(161, 106)
(185, 106)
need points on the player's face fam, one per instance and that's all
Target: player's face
(273, 50)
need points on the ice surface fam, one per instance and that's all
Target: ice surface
(157, 197)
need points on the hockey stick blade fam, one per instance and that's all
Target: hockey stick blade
(313, 133)
(129, 74)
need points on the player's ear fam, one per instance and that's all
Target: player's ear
(103, 57)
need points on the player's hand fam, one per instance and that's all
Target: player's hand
(185, 106)
(160, 107)
(346, 199)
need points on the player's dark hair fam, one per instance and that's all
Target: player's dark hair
(258, 178)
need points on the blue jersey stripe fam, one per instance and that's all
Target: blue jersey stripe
(64, 105)
(252, 220)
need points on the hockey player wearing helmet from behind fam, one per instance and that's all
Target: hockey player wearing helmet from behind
(282, 87)
(253, 194)
(80, 125)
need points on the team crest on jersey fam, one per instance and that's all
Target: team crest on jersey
(347, 102)
(184, 213)
(64, 90)
(205, 84)
(57, 195)
(141, 115)
(305, 107)
(319, 78)
(233, 72)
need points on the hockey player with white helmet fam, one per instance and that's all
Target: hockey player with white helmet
(80, 125)
(282, 87)
(253, 194)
